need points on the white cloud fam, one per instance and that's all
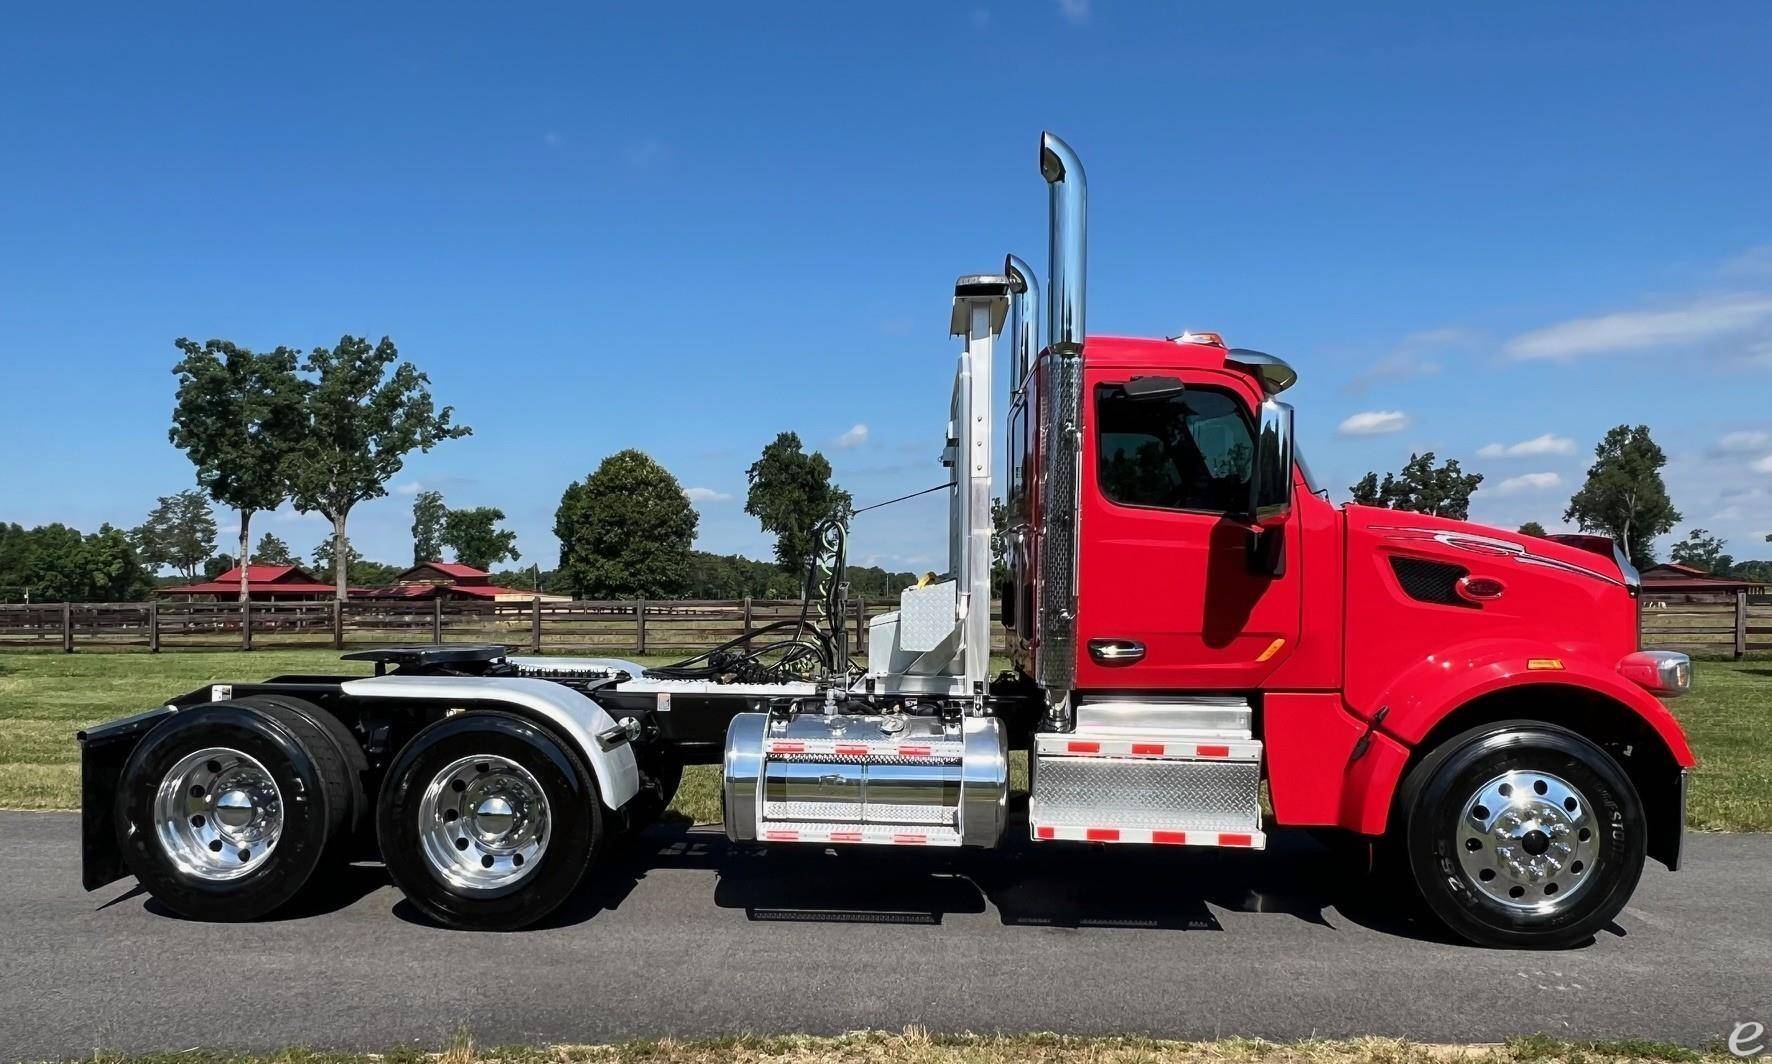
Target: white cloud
(706, 495)
(1764, 465)
(1528, 482)
(1748, 441)
(1076, 12)
(855, 437)
(1549, 443)
(1702, 320)
(411, 487)
(1374, 423)
(1419, 354)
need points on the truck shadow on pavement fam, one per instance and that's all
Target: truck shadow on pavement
(1024, 884)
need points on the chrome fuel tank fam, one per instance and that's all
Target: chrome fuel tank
(866, 779)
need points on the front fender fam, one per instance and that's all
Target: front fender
(1424, 695)
(578, 719)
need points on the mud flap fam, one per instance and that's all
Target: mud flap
(103, 750)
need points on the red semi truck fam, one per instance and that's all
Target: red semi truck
(1189, 618)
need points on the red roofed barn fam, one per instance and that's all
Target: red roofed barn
(452, 580)
(264, 583)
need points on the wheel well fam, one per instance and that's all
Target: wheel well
(1608, 724)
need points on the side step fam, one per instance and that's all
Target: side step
(1170, 772)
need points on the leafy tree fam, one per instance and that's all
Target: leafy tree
(477, 540)
(625, 531)
(359, 570)
(55, 563)
(238, 416)
(428, 517)
(221, 563)
(790, 493)
(361, 423)
(1444, 491)
(999, 546)
(273, 551)
(1701, 550)
(1624, 496)
(1531, 528)
(179, 531)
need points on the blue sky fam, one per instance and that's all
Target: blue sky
(1492, 231)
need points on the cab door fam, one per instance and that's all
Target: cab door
(1174, 591)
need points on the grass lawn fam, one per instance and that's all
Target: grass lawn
(920, 1048)
(46, 697)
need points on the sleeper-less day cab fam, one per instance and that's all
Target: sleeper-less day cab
(1188, 617)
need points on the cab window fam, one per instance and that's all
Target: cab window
(1191, 450)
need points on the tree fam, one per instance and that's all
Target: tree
(475, 538)
(999, 546)
(1532, 528)
(1444, 491)
(238, 416)
(1701, 550)
(361, 423)
(625, 531)
(791, 492)
(1624, 496)
(55, 563)
(179, 531)
(273, 551)
(358, 569)
(428, 516)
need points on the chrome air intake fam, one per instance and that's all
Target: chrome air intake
(885, 780)
(1061, 421)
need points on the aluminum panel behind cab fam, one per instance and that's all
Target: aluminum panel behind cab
(927, 615)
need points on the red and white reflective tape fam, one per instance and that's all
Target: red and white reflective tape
(869, 835)
(1242, 840)
(933, 751)
(1054, 745)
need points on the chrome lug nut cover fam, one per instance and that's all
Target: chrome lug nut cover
(1528, 840)
(218, 814)
(484, 823)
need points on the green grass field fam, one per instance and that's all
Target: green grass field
(46, 697)
(917, 1047)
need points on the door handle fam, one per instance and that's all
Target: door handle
(1116, 651)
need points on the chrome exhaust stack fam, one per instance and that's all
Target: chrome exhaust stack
(1061, 431)
(1067, 229)
(1024, 319)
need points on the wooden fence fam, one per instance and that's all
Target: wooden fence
(1715, 626)
(602, 628)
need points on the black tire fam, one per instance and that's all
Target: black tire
(1433, 800)
(574, 833)
(310, 775)
(661, 773)
(358, 811)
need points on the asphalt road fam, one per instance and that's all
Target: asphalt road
(688, 936)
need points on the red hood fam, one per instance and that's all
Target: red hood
(1589, 554)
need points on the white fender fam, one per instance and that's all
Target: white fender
(578, 719)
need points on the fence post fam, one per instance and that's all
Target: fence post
(246, 625)
(437, 619)
(67, 628)
(747, 615)
(154, 626)
(338, 624)
(1740, 624)
(639, 626)
(535, 624)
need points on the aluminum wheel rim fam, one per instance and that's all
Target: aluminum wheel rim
(218, 814)
(1528, 840)
(484, 823)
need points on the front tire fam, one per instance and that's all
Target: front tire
(488, 821)
(1523, 834)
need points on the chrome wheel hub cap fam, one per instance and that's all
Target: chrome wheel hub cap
(484, 824)
(1528, 840)
(218, 814)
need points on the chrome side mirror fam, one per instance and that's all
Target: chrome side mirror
(1270, 486)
